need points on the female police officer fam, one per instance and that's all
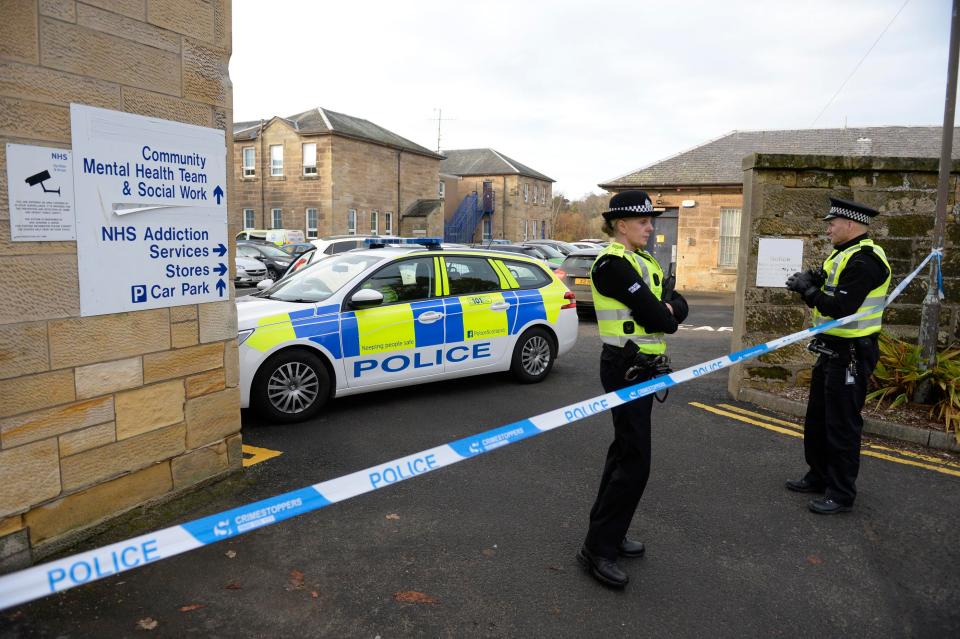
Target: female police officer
(632, 317)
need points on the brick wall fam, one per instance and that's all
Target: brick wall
(787, 196)
(101, 414)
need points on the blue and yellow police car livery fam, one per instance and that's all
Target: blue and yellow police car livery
(392, 316)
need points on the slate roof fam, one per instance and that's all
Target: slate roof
(465, 162)
(719, 161)
(321, 121)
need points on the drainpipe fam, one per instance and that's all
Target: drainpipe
(263, 178)
(503, 232)
(399, 212)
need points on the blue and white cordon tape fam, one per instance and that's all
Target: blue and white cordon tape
(69, 572)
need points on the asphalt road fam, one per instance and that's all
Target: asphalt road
(487, 546)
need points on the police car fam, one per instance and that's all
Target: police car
(388, 316)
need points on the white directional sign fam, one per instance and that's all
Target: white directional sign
(151, 211)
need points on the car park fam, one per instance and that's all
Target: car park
(576, 274)
(249, 271)
(384, 317)
(276, 260)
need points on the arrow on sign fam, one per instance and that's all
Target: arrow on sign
(218, 193)
(220, 287)
(220, 269)
(220, 250)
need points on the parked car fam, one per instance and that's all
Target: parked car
(285, 236)
(276, 260)
(249, 271)
(564, 247)
(298, 249)
(340, 243)
(586, 245)
(575, 273)
(379, 318)
(553, 254)
(528, 250)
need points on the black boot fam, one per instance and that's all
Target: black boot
(606, 571)
(630, 548)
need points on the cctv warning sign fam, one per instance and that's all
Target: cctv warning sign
(40, 188)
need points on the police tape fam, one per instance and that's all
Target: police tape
(75, 570)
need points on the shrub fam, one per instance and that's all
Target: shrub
(898, 373)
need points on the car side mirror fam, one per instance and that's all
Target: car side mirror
(263, 285)
(365, 298)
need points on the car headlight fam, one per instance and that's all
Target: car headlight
(243, 335)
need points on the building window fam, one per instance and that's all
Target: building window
(277, 216)
(311, 223)
(310, 158)
(374, 222)
(442, 189)
(543, 195)
(523, 230)
(526, 193)
(249, 161)
(276, 160)
(487, 228)
(352, 222)
(729, 237)
(249, 219)
(388, 222)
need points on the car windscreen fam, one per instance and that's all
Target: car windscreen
(584, 262)
(549, 251)
(273, 251)
(322, 279)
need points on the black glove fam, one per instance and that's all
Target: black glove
(818, 276)
(803, 283)
(680, 307)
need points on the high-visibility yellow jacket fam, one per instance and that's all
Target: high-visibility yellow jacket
(614, 321)
(834, 265)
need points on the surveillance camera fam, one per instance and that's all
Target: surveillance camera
(38, 178)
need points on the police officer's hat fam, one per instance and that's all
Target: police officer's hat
(851, 211)
(630, 204)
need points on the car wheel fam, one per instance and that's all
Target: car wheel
(273, 274)
(291, 386)
(533, 356)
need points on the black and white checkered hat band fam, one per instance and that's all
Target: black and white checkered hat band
(837, 211)
(646, 208)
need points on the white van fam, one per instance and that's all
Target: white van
(285, 236)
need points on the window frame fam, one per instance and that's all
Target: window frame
(494, 280)
(276, 170)
(388, 222)
(248, 170)
(303, 150)
(442, 190)
(526, 193)
(351, 221)
(316, 220)
(273, 218)
(374, 222)
(728, 244)
(252, 224)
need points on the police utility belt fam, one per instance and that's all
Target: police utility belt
(835, 348)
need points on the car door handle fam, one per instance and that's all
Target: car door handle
(429, 317)
(499, 306)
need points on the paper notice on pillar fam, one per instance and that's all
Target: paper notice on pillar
(151, 211)
(778, 259)
(40, 190)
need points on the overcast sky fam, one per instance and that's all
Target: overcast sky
(588, 91)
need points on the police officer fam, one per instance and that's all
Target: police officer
(854, 277)
(632, 316)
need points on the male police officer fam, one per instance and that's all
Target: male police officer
(632, 315)
(855, 277)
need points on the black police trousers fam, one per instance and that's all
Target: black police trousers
(628, 460)
(833, 425)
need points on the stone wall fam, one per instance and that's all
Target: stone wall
(511, 212)
(786, 196)
(102, 414)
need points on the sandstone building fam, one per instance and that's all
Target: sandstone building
(103, 413)
(701, 190)
(328, 173)
(521, 197)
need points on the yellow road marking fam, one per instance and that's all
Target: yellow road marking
(748, 420)
(905, 453)
(257, 455)
(868, 452)
(772, 420)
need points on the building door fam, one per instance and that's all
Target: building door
(663, 241)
